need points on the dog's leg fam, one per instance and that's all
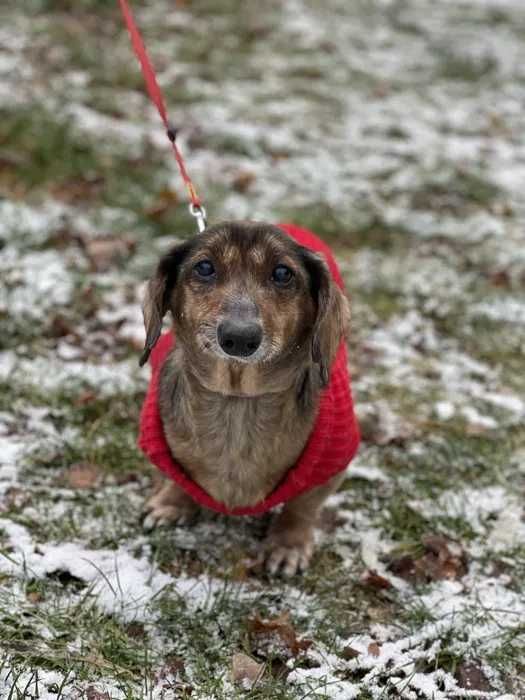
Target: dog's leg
(290, 541)
(168, 505)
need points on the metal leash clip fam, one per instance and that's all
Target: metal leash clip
(199, 212)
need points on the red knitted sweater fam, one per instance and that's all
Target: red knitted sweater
(333, 441)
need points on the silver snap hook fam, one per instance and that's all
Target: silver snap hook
(199, 212)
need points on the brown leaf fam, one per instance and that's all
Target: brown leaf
(372, 579)
(14, 497)
(349, 653)
(60, 327)
(500, 278)
(246, 670)
(243, 180)
(470, 676)
(126, 478)
(404, 567)
(166, 199)
(94, 694)
(78, 190)
(374, 649)
(278, 153)
(381, 89)
(135, 630)
(279, 669)
(175, 664)
(173, 667)
(82, 475)
(85, 398)
(445, 558)
(442, 559)
(35, 597)
(382, 426)
(283, 628)
(105, 252)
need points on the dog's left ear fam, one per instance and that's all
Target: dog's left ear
(157, 297)
(332, 316)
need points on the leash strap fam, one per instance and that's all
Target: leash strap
(155, 94)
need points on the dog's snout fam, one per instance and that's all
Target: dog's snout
(239, 338)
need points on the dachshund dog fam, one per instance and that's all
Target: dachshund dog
(257, 321)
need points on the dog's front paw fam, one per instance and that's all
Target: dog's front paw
(166, 515)
(289, 552)
(169, 506)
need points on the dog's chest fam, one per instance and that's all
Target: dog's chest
(236, 449)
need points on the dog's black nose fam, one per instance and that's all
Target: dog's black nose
(239, 338)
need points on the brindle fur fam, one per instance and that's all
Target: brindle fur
(236, 425)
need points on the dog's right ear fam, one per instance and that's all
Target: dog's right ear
(332, 316)
(158, 291)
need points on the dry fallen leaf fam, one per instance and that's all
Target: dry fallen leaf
(79, 189)
(374, 649)
(94, 694)
(82, 476)
(283, 628)
(445, 558)
(85, 398)
(246, 670)
(135, 630)
(404, 567)
(470, 676)
(166, 200)
(14, 497)
(381, 426)
(371, 579)
(173, 667)
(243, 180)
(35, 597)
(61, 327)
(349, 653)
(103, 253)
(442, 559)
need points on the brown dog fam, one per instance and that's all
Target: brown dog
(258, 321)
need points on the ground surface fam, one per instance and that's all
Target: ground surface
(396, 131)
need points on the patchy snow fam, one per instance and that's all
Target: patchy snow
(493, 513)
(360, 470)
(507, 310)
(445, 410)
(456, 609)
(475, 418)
(33, 284)
(20, 222)
(51, 374)
(11, 451)
(124, 585)
(45, 686)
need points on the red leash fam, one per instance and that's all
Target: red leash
(157, 98)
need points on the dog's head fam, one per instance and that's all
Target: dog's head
(246, 299)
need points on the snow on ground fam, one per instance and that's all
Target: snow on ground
(395, 130)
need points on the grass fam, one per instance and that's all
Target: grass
(79, 640)
(462, 189)
(466, 68)
(342, 231)
(50, 154)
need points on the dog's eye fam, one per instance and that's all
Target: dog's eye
(282, 275)
(204, 268)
